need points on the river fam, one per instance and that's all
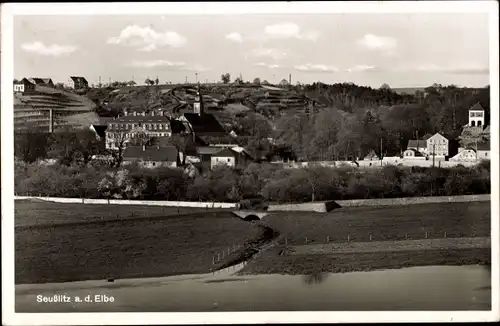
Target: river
(416, 288)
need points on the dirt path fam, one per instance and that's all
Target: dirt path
(390, 246)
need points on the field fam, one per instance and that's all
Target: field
(127, 248)
(49, 248)
(458, 220)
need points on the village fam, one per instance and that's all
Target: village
(151, 137)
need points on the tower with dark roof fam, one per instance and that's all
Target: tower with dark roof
(198, 102)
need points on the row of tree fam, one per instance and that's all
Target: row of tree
(266, 181)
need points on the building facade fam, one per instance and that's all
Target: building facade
(437, 146)
(137, 124)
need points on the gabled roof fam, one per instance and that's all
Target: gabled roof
(78, 79)
(370, 155)
(47, 80)
(151, 153)
(226, 152)
(427, 136)
(39, 81)
(25, 81)
(205, 123)
(477, 107)
(417, 143)
(487, 130)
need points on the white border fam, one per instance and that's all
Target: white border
(8, 10)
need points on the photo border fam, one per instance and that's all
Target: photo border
(8, 11)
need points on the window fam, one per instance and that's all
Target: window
(485, 154)
(228, 160)
(161, 127)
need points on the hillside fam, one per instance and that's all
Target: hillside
(32, 109)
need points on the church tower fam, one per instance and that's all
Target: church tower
(198, 102)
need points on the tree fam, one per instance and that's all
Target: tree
(226, 78)
(283, 83)
(118, 142)
(256, 81)
(31, 146)
(157, 81)
(239, 80)
(149, 82)
(131, 83)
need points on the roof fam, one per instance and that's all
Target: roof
(372, 154)
(477, 107)
(78, 79)
(217, 139)
(207, 150)
(24, 81)
(36, 80)
(483, 146)
(100, 130)
(152, 153)
(177, 126)
(205, 123)
(427, 136)
(47, 80)
(417, 153)
(417, 143)
(141, 118)
(226, 152)
(487, 129)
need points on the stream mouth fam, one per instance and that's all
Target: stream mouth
(254, 248)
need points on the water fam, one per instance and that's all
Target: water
(417, 288)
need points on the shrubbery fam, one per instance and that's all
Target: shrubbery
(252, 186)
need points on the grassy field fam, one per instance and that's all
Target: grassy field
(140, 247)
(50, 247)
(38, 213)
(383, 224)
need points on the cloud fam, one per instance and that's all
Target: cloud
(235, 37)
(276, 54)
(147, 39)
(362, 68)
(169, 65)
(308, 67)
(54, 50)
(267, 65)
(289, 30)
(387, 45)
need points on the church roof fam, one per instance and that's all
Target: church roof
(477, 107)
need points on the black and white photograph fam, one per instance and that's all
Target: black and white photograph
(249, 162)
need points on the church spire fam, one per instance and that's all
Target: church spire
(198, 101)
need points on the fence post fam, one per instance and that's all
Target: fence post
(406, 236)
(370, 237)
(327, 239)
(445, 234)
(286, 241)
(426, 235)
(213, 260)
(348, 237)
(218, 256)
(306, 240)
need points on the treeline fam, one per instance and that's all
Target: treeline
(269, 182)
(374, 123)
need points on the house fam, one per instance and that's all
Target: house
(477, 129)
(152, 156)
(483, 151)
(437, 146)
(413, 154)
(418, 145)
(124, 128)
(465, 154)
(24, 86)
(230, 157)
(77, 82)
(41, 81)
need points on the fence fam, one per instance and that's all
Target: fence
(132, 202)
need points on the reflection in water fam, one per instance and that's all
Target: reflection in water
(315, 278)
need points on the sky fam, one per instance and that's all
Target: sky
(402, 50)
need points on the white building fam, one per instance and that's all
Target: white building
(437, 146)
